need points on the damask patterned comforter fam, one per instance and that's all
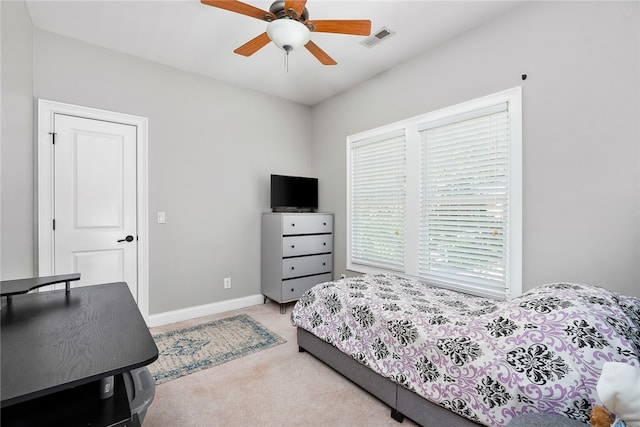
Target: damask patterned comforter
(486, 360)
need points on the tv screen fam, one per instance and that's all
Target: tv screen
(294, 194)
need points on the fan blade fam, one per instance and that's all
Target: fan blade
(253, 45)
(358, 27)
(297, 5)
(320, 54)
(242, 8)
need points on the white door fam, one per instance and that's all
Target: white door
(95, 214)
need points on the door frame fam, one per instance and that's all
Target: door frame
(45, 187)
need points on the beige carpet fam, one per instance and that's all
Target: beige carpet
(274, 387)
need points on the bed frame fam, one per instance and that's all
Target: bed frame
(401, 401)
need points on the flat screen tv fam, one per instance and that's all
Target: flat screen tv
(294, 194)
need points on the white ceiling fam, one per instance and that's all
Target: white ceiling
(191, 36)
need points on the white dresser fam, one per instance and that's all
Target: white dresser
(297, 253)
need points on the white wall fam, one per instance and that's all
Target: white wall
(212, 147)
(17, 180)
(581, 140)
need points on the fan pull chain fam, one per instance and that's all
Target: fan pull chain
(287, 49)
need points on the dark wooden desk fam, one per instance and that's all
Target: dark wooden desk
(54, 341)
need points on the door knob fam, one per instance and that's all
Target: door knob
(129, 238)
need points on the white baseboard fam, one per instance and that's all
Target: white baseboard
(202, 310)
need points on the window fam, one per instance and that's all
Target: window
(438, 197)
(378, 201)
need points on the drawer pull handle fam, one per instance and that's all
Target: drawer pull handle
(324, 223)
(293, 225)
(292, 268)
(292, 289)
(324, 244)
(324, 263)
(293, 246)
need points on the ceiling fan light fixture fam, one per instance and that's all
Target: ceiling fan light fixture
(288, 34)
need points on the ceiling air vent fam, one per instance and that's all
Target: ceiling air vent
(377, 37)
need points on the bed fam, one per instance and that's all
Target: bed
(441, 357)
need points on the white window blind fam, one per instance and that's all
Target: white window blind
(464, 193)
(438, 197)
(378, 201)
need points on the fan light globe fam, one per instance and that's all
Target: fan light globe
(288, 34)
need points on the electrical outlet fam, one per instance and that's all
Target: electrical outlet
(227, 282)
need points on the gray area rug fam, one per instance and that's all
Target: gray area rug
(185, 351)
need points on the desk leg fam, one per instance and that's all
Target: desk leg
(67, 286)
(135, 421)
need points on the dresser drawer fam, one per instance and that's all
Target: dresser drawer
(306, 265)
(294, 288)
(307, 224)
(304, 245)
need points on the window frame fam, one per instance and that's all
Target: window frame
(411, 126)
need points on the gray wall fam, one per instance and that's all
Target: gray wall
(17, 179)
(581, 133)
(211, 150)
(212, 147)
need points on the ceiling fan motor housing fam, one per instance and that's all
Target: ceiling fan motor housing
(277, 8)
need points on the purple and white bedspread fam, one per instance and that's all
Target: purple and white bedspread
(486, 360)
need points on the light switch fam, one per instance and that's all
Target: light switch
(161, 218)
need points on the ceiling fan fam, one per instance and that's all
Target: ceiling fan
(289, 26)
